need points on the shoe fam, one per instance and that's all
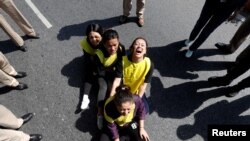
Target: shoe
(23, 48)
(123, 19)
(21, 86)
(99, 121)
(189, 53)
(188, 42)
(20, 74)
(85, 103)
(224, 48)
(232, 91)
(33, 37)
(140, 22)
(27, 117)
(35, 137)
(218, 81)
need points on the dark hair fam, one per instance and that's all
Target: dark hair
(122, 95)
(131, 46)
(109, 34)
(94, 28)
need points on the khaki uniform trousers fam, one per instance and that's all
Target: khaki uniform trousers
(10, 121)
(10, 8)
(140, 7)
(7, 72)
(240, 35)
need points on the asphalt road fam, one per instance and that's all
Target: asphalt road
(181, 102)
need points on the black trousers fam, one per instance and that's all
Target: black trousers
(213, 14)
(105, 83)
(128, 133)
(241, 66)
(88, 77)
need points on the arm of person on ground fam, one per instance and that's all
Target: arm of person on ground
(116, 83)
(143, 132)
(147, 80)
(142, 89)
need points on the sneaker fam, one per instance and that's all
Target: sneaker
(123, 19)
(189, 53)
(188, 42)
(85, 103)
(99, 121)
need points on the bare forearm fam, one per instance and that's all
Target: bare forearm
(142, 89)
(116, 83)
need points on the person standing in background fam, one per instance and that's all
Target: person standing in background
(8, 74)
(10, 123)
(10, 8)
(238, 38)
(213, 14)
(140, 8)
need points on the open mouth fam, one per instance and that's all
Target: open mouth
(138, 51)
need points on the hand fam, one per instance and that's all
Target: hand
(144, 134)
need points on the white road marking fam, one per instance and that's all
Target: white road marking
(39, 14)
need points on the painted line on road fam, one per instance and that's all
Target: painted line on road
(39, 14)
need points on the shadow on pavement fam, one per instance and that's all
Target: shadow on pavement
(74, 71)
(88, 120)
(171, 62)
(222, 112)
(179, 101)
(65, 33)
(7, 46)
(5, 89)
